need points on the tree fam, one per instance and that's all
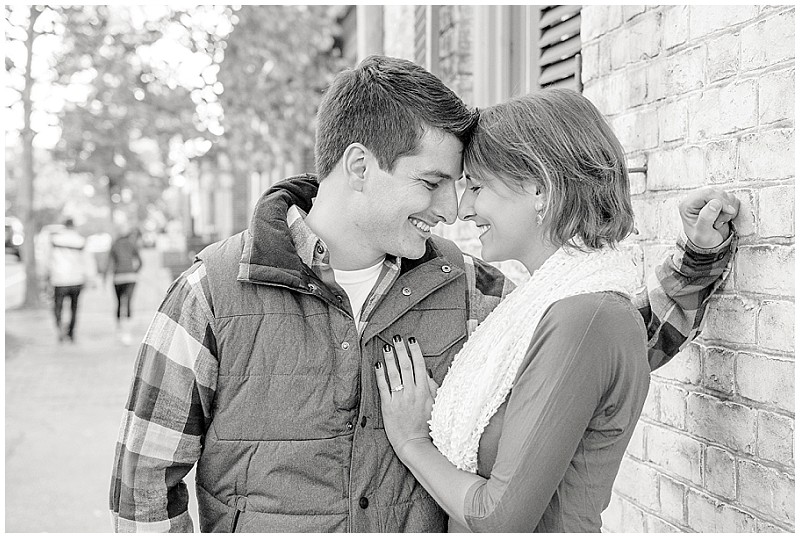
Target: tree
(31, 32)
(127, 120)
(278, 61)
(124, 127)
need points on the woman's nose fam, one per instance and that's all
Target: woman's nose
(466, 210)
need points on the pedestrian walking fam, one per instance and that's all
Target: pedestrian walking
(69, 266)
(124, 262)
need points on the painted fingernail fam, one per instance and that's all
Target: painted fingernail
(412, 340)
(397, 338)
(430, 373)
(378, 365)
(387, 348)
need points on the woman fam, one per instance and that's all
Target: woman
(125, 262)
(530, 425)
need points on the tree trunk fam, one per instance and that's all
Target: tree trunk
(28, 175)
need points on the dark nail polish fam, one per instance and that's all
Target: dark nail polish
(397, 338)
(387, 348)
(412, 340)
(378, 365)
(430, 373)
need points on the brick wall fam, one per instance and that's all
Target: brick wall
(705, 95)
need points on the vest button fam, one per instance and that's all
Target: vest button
(349, 425)
(345, 345)
(446, 268)
(363, 422)
(406, 291)
(312, 287)
(320, 249)
(363, 502)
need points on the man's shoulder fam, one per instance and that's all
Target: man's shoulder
(225, 250)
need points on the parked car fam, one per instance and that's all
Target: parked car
(14, 237)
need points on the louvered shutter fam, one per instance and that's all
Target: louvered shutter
(559, 44)
(420, 33)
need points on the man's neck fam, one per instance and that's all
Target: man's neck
(327, 219)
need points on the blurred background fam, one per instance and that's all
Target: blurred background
(171, 122)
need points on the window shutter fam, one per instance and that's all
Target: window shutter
(559, 45)
(420, 32)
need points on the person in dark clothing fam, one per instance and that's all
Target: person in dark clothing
(125, 262)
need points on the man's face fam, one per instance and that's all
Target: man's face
(401, 207)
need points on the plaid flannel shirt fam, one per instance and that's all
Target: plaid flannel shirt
(169, 406)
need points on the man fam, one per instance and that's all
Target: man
(258, 367)
(68, 267)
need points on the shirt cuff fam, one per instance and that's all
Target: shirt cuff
(686, 243)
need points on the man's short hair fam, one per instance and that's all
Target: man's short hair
(559, 141)
(386, 104)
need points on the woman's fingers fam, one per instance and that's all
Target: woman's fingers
(433, 387)
(380, 376)
(392, 372)
(403, 361)
(417, 361)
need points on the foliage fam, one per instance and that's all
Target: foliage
(125, 103)
(278, 61)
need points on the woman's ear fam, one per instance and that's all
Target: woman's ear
(354, 165)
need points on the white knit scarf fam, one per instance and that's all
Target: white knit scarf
(482, 373)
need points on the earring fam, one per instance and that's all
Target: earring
(539, 219)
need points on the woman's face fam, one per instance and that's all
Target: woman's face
(506, 219)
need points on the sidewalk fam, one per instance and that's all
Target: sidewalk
(64, 403)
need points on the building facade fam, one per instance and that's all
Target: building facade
(698, 95)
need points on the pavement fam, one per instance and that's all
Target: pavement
(64, 404)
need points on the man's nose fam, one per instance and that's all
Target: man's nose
(446, 203)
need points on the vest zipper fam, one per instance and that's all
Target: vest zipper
(235, 520)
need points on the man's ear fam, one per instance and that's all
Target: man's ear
(354, 165)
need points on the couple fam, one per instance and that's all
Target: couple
(259, 367)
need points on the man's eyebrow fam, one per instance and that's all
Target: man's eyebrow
(437, 173)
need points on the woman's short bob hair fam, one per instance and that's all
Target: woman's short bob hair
(558, 140)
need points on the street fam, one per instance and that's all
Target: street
(64, 403)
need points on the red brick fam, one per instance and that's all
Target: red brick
(766, 380)
(776, 438)
(766, 490)
(675, 452)
(719, 474)
(725, 423)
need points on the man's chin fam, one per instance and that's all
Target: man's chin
(414, 252)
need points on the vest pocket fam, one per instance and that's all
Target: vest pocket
(440, 333)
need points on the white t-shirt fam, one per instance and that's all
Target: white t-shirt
(357, 284)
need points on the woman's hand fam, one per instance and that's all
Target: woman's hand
(407, 393)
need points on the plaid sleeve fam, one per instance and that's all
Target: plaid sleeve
(486, 287)
(168, 410)
(673, 305)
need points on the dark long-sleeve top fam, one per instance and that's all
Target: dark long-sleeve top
(125, 260)
(553, 449)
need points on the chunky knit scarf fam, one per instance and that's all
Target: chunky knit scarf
(483, 371)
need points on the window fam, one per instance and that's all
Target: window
(426, 38)
(517, 49)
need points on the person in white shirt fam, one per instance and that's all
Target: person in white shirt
(68, 267)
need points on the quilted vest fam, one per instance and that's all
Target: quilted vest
(297, 442)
